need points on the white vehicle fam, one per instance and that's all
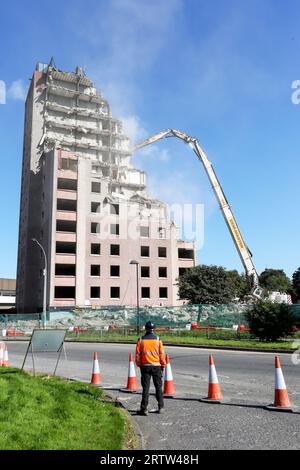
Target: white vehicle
(243, 250)
(279, 298)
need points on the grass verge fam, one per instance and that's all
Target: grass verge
(46, 413)
(196, 338)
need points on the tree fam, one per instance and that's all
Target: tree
(275, 280)
(296, 285)
(239, 284)
(270, 321)
(207, 285)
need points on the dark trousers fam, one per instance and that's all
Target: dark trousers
(156, 373)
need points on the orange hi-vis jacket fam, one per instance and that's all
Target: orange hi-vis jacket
(149, 351)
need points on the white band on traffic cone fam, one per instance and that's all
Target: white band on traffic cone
(279, 380)
(168, 373)
(131, 369)
(96, 368)
(1, 355)
(5, 358)
(213, 378)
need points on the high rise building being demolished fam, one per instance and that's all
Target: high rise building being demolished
(88, 207)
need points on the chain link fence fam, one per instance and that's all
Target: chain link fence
(231, 317)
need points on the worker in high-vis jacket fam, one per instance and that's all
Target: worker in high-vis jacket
(151, 360)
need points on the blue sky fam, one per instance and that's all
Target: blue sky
(220, 70)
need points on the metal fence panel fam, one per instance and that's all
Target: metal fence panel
(219, 316)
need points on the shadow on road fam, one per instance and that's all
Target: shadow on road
(195, 399)
(238, 405)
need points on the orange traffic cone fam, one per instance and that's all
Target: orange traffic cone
(132, 385)
(2, 346)
(214, 391)
(169, 387)
(281, 400)
(96, 377)
(5, 358)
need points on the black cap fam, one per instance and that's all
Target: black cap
(149, 326)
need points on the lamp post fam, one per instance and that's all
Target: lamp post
(137, 296)
(45, 285)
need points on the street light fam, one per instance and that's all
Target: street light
(137, 296)
(45, 284)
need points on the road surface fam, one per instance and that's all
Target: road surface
(240, 422)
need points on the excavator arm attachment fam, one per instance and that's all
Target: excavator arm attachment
(234, 230)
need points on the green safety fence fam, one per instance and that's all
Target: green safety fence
(219, 316)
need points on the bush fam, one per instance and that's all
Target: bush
(270, 321)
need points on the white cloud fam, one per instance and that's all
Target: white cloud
(17, 90)
(175, 188)
(224, 72)
(185, 202)
(131, 35)
(155, 153)
(164, 155)
(134, 128)
(2, 92)
(132, 32)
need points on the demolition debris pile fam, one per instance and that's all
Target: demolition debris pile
(225, 316)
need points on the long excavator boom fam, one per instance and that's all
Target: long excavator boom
(154, 138)
(243, 251)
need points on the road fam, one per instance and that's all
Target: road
(240, 422)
